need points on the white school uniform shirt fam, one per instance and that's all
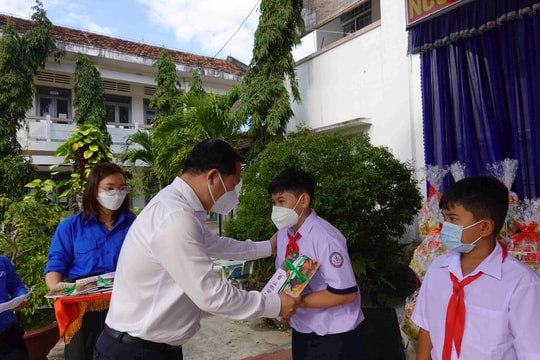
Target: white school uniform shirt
(324, 243)
(502, 308)
(165, 278)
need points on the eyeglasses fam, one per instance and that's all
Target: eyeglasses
(111, 191)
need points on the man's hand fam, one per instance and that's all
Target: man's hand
(288, 305)
(273, 243)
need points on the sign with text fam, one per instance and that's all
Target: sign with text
(418, 10)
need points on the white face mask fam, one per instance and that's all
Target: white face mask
(227, 201)
(284, 217)
(112, 199)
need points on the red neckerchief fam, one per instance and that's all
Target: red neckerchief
(455, 313)
(292, 246)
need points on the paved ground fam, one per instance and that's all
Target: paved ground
(223, 339)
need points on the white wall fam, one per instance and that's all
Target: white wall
(367, 75)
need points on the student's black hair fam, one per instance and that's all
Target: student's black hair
(212, 153)
(484, 196)
(295, 181)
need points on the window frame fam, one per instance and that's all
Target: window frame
(118, 102)
(357, 18)
(54, 95)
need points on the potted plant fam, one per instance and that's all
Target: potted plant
(25, 234)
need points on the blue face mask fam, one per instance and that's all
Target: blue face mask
(451, 237)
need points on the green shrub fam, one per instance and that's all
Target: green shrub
(26, 232)
(362, 189)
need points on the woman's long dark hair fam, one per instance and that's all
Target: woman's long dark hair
(90, 203)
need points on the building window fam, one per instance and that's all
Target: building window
(357, 18)
(53, 102)
(118, 109)
(149, 113)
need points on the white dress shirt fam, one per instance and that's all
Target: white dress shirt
(165, 278)
(502, 311)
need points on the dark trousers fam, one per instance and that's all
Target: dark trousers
(107, 348)
(344, 346)
(12, 345)
(81, 346)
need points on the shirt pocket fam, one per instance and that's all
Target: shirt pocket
(85, 258)
(487, 332)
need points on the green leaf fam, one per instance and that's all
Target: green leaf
(34, 183)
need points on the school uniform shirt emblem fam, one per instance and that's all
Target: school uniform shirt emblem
(336, 259)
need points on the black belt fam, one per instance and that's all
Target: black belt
(124, 337)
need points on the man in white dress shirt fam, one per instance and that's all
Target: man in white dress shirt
(164, 277)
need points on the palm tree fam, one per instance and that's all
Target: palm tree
(202, 115)
(197, 116)
(139, 147)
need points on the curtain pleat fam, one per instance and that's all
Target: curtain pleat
(472, 19)
(481, 96)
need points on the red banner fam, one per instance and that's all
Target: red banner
(418, 10)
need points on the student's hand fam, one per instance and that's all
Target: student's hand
(273, 243)
(288, 305)
(21, 305)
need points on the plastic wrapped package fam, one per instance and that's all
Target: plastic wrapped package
(524, 245)
(457, 169)
(408, 327)
(505, 171)
(423, 255)
(430, 215)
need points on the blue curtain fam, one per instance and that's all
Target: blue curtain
(481, 88)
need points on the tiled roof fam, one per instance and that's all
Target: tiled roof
(68, 35)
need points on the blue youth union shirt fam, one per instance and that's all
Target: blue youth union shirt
(83, 249)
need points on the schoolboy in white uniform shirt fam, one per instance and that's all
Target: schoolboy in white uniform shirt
(326, 323)
(494, 312)
(165, 274)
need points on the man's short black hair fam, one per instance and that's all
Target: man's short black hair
(484, 196)
(212, 153)
(293, 180)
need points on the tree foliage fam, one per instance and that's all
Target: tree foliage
(200, 116)
(265, 101)
(139, 148)
(25, 235)
(89, 94)
(364, 191)
(144, 145)
(197, 115)
(166, 99)
(15, 171)
(21, 58)
(86, 148)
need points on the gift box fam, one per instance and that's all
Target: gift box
(525, 245)
(292, 276)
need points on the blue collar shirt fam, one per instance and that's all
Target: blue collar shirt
(80, 249)
(11, 286)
